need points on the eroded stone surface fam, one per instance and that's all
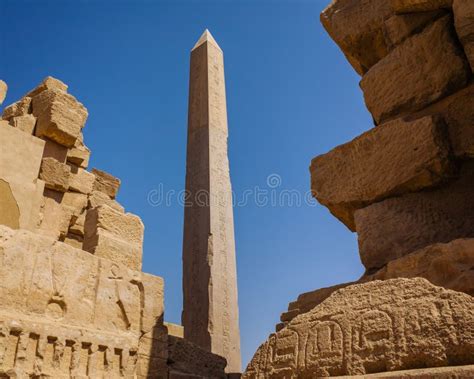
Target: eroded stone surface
(464, 22)
(106, 183)
(374, 327)
(409, 6)
(55, 174)
(3, 91)
(395, 227)
(25, 123)
(423, 69)
(391, 159)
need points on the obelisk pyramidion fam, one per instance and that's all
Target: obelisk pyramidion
(211, 313)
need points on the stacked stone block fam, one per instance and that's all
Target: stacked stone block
(405, 186)
(74, 300)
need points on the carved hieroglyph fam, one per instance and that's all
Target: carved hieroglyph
(368, 328)
(66, 313)
(210, 316)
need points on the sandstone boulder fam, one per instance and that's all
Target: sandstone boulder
(55, 150)
(55, 174)
(106, 183)
(464, 22)
(60, 116)
(81, 180)
(389, 160)
(409, 6)
(98, 198)
(79, 154)
(358, 28)
(396, 227)
(49, 83)
(448, 265)
(423, 69)
(25, 123)
(20, 108)
(369, 328)
(3, 91)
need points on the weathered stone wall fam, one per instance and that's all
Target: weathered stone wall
(405, 186)
(74, 302)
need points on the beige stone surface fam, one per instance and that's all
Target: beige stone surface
(79, 154)
(395, 227)
(106, 183)
(369, 328)
(21, 108)
(106, 245)
(458, 114)
(55, 174)
(77, 225)
(77, 202)
(453, 372)
(389, 160)
(10, 211)
(60, 117)
(409, 6)
(3, 91)
(464, 22)
(25, 123)
(444, 264)
(98, 198)
(81, 180)
(49, 83)
(210, 315)
(423, 69)
(55, 150)
(358, 28)
(74, 240)
(69, 313)
(174, 330)
(55, 218)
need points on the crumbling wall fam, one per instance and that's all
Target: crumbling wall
(405, 186)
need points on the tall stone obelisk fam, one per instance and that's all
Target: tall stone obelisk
(211, 313)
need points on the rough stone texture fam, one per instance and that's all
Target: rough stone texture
(464, 22)
(98, 198)
(20, 108)
(106, 183)
(210, 315)
(374, 327)
(55, 150)
(69, 313)
(448, 265)
(453, 372)
(409, 6)
(49, 83)
(174, 330)
(25, 123)
(79, 154)
(20, 160)
(395, 227)
(3, 91)
(60, 117)
(458, 113)
(358, 28)
(185, 358)
(55, 218)
(389, 160)
(81, 180)
(55, 174)
(423, 69)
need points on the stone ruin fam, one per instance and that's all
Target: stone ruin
(75, 303)
(406, 187)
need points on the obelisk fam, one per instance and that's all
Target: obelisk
(211, 314)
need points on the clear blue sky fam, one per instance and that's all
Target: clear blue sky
(291, 96)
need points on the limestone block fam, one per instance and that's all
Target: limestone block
(106, 245)
(55, 218)
(464, 22)
(20, 108)
(67, 313)
(174, 329)
(106, 183)
(399, 27)
(396, 227)
(3, 91)
(79, 154)
(60, 117)
(20, 156)
(98, 198)
(74, 240)
(389, 160)
(374, 327)
(458, 113)
(423, 69)
(55, 174)
(49, 83)
(10, 212)
(25, 123)
(55, 150)
(448, 265)
(81, 180)
(76, 201)
(409, 6)
(127, 226)
(77, 225)
(358, 28)
(187, 358)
